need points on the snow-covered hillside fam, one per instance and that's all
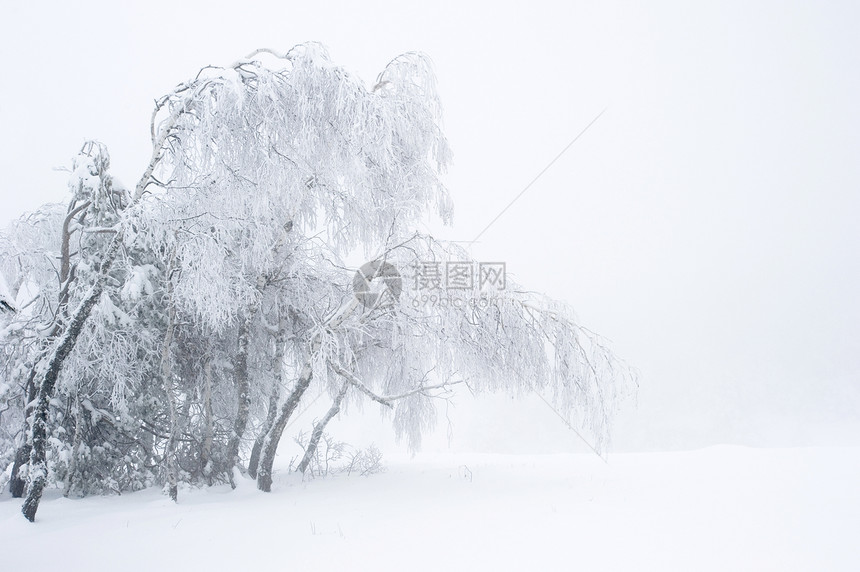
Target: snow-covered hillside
(721, 508)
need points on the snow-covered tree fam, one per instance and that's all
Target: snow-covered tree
(194, 314)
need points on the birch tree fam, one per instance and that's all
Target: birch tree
(219, 286)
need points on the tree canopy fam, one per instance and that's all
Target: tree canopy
(167, 333)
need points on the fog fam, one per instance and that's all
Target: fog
(706, 223)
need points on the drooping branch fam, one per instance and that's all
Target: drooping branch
(424, 389)
(388, 399)
(355, 382)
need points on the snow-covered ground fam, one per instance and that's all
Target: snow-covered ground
(720, 508)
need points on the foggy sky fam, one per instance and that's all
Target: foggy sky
(706, 223)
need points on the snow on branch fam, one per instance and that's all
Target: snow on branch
(388, 399)
(507, 340)
(248, 148)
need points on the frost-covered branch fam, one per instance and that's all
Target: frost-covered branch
(389, 399)
(221, 277)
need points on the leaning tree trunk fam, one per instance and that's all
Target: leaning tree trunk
(49, 376)
(274, 397)
(270, 448)
(319, 428)
(254, 460)
(17, 483)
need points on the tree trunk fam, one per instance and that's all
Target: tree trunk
(319, 428)
(240, 378)
(254, 460)
(73, 464)
(274, 397)
(66, 275)
(167, 376)
(208, 438)
(17, 484)
(270, 448)
(49, 375)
